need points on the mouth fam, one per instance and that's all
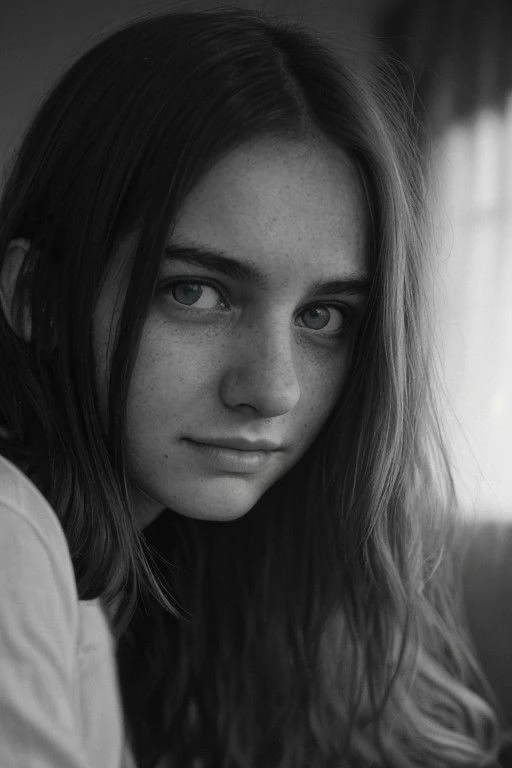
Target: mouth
(234, 455)
(238, 444)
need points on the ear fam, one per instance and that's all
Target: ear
(20, 322)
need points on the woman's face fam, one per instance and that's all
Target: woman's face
(249, 335)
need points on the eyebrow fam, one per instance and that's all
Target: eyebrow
(355, 283)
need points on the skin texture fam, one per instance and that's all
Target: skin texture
(236, 359)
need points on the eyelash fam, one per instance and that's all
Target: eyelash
(346, 312)
(167, 287)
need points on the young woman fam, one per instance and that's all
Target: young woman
(218, 426)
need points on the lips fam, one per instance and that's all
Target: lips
(237, 444)
(234, 455)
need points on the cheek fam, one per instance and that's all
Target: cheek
(171, 373)
(157, 384)
(322, 384)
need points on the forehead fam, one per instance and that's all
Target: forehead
(282, 205)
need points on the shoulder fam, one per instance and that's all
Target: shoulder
(51, 679)
(33, 548)
(20, 495)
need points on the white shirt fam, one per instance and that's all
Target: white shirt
(59, 699)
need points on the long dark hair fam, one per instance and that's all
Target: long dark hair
(320, 629)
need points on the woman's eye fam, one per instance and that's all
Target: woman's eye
(322, 317)
(194, 293)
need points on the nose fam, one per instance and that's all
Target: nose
(261, 373)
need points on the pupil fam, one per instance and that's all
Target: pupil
(317, 317)
(187, 293)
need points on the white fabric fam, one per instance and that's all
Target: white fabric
(59, 700)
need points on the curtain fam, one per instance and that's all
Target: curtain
(458, 54)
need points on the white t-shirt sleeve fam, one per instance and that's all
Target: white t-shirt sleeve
(38, 631)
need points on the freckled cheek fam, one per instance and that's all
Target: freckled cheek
(171, 371)
(321, 390)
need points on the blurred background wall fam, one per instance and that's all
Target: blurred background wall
(460, 55)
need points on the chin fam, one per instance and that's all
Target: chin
(209, 512)
(223, 506)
